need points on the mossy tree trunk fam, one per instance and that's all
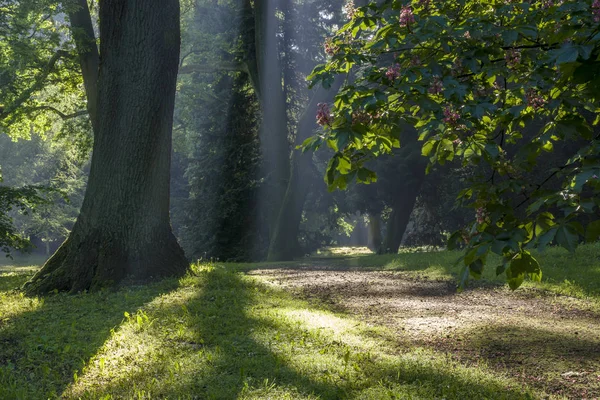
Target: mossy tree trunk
(123, 230)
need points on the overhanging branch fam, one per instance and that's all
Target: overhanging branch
(58, 112)
(37, 85)
(208, 68)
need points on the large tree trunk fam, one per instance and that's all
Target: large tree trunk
(123, 230)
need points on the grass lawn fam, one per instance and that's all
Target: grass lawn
(221, 333)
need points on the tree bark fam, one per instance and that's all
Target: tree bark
(123, 230)
(374, 241)
(396, 225)
(89, 59)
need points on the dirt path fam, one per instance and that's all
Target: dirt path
(549, 342)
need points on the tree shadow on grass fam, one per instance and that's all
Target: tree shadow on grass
(241, 338)
(45, 344)
(562, 359)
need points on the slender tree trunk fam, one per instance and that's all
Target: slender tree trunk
(396, 225)
(284, 243)
(273, 130)
(123, 230)
(375, 232)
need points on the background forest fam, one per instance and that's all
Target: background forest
(286, 199)
(222, 168)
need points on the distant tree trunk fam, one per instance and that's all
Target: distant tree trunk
(284, 243)
(375, 232)
(396, 225)
(123, 229)
(273, 130)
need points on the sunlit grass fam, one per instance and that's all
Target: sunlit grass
(343, 251)
(219, 334)
(574, 274)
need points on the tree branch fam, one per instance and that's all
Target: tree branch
(204, 68)
(58, 112)
(37, 85)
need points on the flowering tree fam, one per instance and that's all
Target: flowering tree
(504, 85)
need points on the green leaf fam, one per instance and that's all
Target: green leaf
(567, 237)
(567, 54)
(514, 279)
(476, 269)
(521, 265)
(592, 233)
(454, 240)
(428, 147)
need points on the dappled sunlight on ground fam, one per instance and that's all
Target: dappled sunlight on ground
(226, 335)
(555, 337)
(327, 331)
(343, 251)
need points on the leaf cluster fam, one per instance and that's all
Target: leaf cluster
(497, 85)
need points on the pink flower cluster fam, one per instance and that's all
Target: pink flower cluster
(451, 116)
(551, 3)
(437, 86)
(360, 117)
(330, 48)
(534, 99)
(457, 67)
(324, 116)
(480, 215)
(393, 72)
(349, 9)
(596, 10)
(406, 16)
(512, 58)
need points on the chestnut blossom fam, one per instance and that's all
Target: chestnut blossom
(480, 215)
(437, 86)
(329, 47)
(457, 67)
(349, 9)
(451, 116)
(406, 16)
(596, 10)
(393, 72)
(324, 116)
(534, 99)
(360, 117)
(513, 57)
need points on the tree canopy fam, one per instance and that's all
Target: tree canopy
(496, 84)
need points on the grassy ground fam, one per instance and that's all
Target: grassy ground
(220, 333)
(564, 273)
